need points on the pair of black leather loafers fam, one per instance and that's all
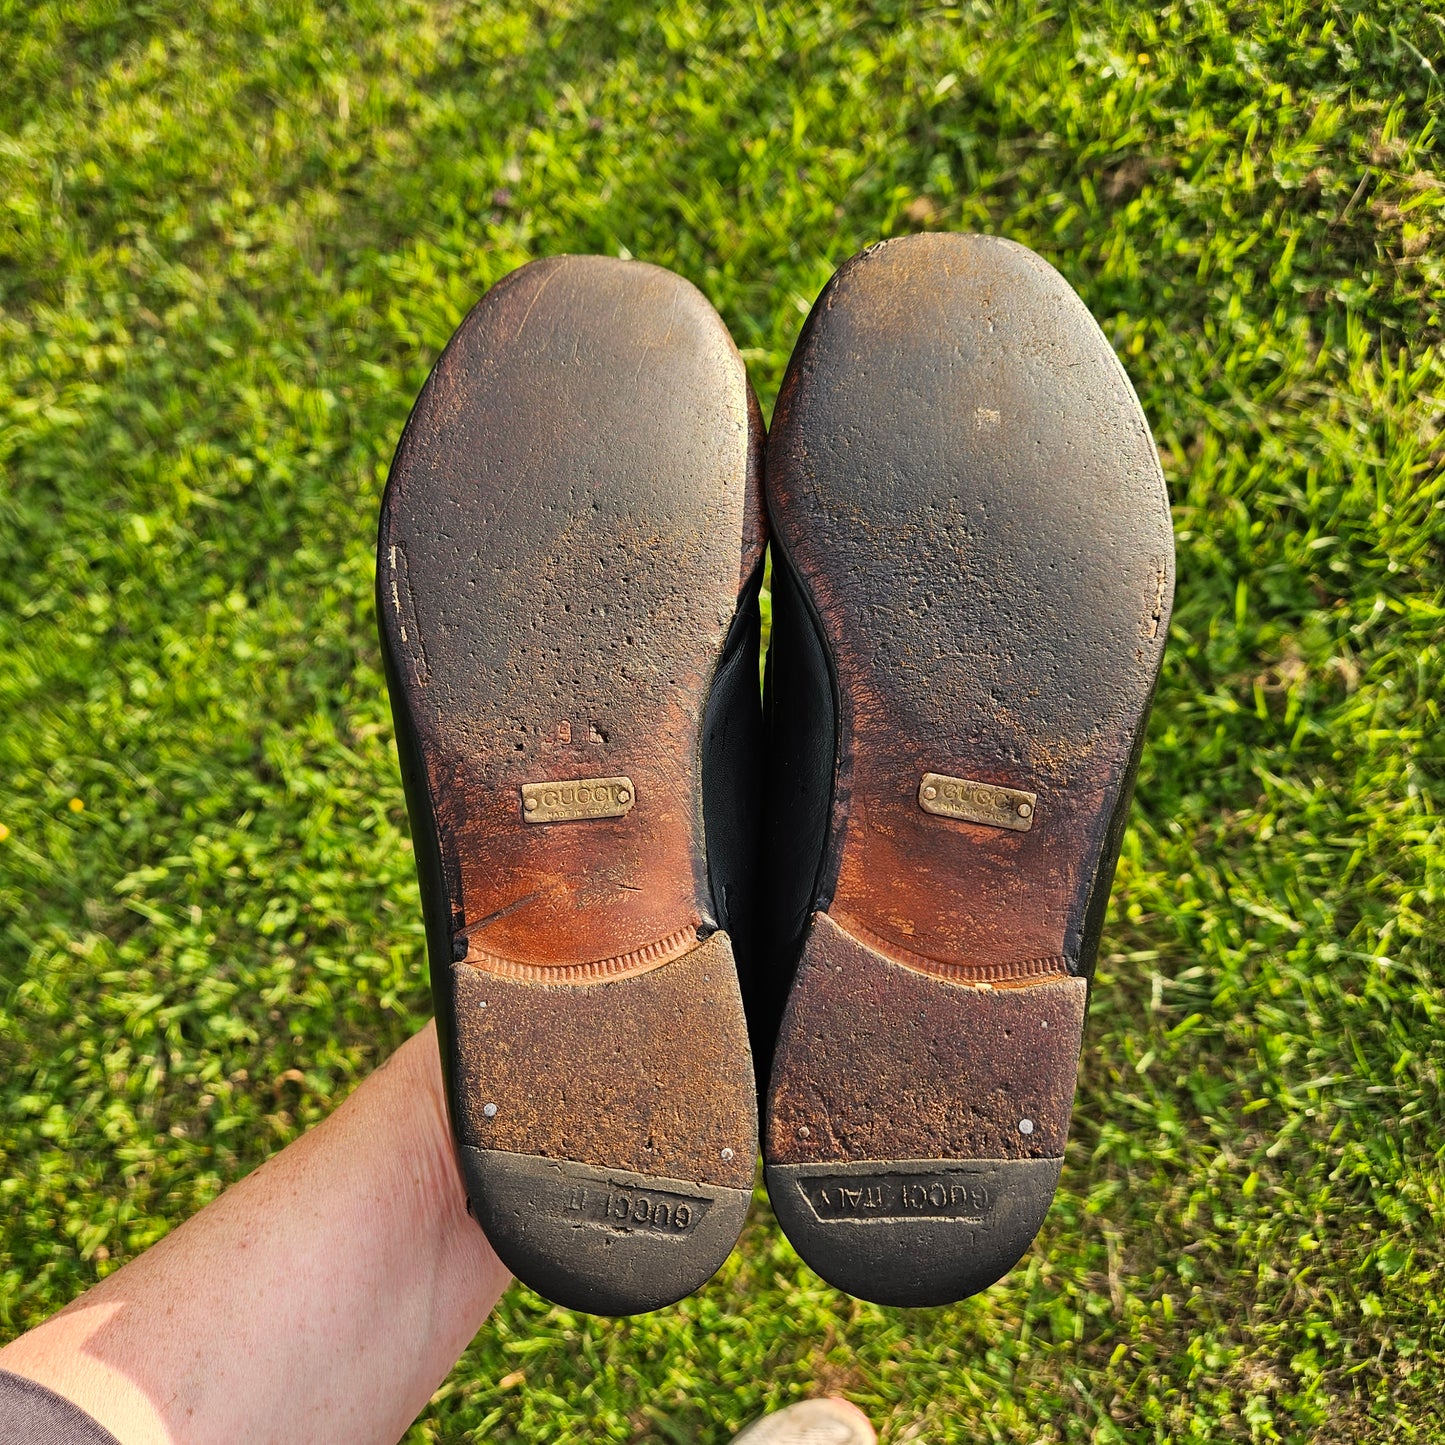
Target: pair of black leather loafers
(871, 897)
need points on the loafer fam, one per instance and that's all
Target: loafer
(569, 562)
(973, 570)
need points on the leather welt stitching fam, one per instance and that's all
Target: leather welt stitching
(1018, 970)
(636, 960)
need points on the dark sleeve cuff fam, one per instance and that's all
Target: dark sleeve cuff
(31, 1414)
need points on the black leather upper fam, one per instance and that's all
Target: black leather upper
(799, 766)
(731, 779)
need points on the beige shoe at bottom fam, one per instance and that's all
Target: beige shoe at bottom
(811, 1422)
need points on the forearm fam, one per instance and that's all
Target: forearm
(322, 1298)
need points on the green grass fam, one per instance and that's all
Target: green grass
(231, 243)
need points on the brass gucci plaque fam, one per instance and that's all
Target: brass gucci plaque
(972, 802)
(577, 798)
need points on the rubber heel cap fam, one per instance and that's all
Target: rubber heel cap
(606, 1241)
(913, 1231)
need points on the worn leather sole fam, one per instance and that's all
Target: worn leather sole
(971, 511)
(569, 558)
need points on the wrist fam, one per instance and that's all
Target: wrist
(425, 1136)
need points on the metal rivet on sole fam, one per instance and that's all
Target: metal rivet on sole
(930, 792)
(1026, 810)
(726, 1154)
(1026, 1126)
(490, 1111)
(531, 805)
(804, 1131)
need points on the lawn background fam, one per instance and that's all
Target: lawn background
(234, 236)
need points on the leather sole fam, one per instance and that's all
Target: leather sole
(971, 510)
(569, 556)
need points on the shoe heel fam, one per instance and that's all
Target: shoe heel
(605, 1129)
(606, 1241)
(915, 1124)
